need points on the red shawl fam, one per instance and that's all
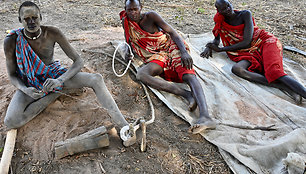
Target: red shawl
(156, 46)
(271, 66)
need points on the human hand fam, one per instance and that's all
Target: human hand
(128, 56)
(33, 93)
(206, 53)
(214, 47)
(186, 60)
(50, 84)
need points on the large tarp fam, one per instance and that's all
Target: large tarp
(260, 129)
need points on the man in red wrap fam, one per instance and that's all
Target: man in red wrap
(258, 53)
(165, 54)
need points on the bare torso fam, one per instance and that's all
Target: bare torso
(43, 46)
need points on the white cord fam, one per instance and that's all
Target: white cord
(114, 55)
(124, 132)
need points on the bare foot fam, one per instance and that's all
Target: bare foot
(192, 103)
(297, 98)
(201, 125)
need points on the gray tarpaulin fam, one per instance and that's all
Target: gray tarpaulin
(260, 129)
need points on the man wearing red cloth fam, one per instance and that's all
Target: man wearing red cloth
(258, 53)
(165, 54)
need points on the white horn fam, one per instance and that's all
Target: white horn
(8, 151)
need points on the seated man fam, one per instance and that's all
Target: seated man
(258, 53)
(164, 53)
(38, 78)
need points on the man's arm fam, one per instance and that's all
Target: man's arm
(186, 58)
(77, 65)
(247, 35)
(11, 66)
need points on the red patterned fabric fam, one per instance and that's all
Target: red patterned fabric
(265, 52)
(157, 47)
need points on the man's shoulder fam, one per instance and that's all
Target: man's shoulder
(50, 29)
(52, 32)
(245, 12)
(151, 14)
(10, 40)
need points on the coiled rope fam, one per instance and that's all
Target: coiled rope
(128, 131)
(128, 65)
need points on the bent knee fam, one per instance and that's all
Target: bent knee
(189, 77)
(12, 123)
(237, 70)
(96, 79)
(141, 75)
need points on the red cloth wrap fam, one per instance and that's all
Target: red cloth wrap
(156, 48)
(265, 52)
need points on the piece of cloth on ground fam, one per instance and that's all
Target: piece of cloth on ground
(259, 127)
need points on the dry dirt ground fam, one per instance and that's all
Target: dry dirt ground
(91, 25)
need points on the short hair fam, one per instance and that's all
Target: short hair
(133, 1)
(27, 4)
(221, 1)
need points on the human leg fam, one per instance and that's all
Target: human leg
(96, 82)
(293, 85)
(204, 121)
(23, 108)
(146, 75)
(241, 69)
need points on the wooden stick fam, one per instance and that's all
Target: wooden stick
(93, 139)
(8, 151)
(76, 39)
(293, 49)
(101, 167)
(99, 52)
(143, 145)
(264, 128)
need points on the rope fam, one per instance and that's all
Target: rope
(127, 131)
(114, 55)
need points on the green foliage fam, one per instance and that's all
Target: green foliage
(261, 26)
(181, 14)
(201, 10)
(179, 17)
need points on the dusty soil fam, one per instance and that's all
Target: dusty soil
(90, 25)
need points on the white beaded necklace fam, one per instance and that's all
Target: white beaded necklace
(33, 38)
